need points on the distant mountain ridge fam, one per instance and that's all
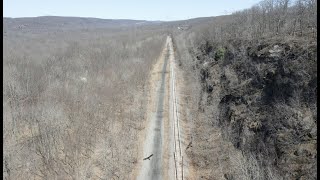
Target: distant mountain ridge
(60, 22)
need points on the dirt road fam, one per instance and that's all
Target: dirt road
(162, 154)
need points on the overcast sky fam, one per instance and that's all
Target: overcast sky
(165, 10)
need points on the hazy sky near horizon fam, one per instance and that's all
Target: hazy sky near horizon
(164, 10)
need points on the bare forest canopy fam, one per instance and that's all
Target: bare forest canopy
(74, 92)
(70, 98)
(268, 18)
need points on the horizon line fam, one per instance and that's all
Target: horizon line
(116, 18)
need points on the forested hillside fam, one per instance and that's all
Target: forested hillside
(254, 79)
(74, 102)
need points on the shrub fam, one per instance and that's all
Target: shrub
(219, 55)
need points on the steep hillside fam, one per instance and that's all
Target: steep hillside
(258, 91)
(267, 100)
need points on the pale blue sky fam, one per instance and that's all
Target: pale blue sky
(165, 10)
